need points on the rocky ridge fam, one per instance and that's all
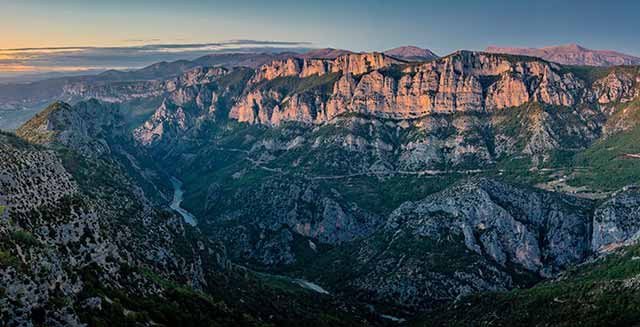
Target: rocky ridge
(572, 54)
(479, 235)
(56, 228)
(462, 82)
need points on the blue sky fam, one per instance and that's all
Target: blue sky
(443, 26)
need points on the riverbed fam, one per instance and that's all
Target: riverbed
(178, 194)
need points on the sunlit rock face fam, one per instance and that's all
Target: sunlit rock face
(376, 85)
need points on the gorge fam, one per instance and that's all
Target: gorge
(328, 189)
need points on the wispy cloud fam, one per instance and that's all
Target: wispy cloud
(141, 40)
(73, 59)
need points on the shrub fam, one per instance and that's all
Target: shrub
(25, 238)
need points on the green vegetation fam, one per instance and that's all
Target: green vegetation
(232, 299)
(175, 306)
(596, 294)
(590, 74)
(384, 195)
(10, 140)
(322, 84)
(9, 260)
(236, 78)
(24, 238)
(627, 114)
(508, 57)
(396, 71)
(604, 166)
(137, 111)
(610, 164)
(28, 130)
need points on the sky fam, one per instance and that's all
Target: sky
(88, 34)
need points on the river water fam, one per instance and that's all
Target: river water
(178, 194)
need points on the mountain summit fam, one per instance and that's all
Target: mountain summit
(572, 54)
(411, 53)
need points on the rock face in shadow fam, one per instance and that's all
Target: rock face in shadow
(69, 221)
(478, 235)
(616, 223)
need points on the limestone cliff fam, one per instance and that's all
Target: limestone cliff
(352, 63)
(462, 82)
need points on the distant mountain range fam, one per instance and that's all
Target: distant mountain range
(572, 54)
(406, 53)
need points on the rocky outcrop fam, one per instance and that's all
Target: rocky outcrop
(483, 235)
(476, 236)
(354, 64)
(82, 127)
(126, 91)
(538, 231)
(317, 91)
(117, 86)
(326, 53)
(616, 223)
(188, 101)
(44, 184)
(617, 86)
(285, 209)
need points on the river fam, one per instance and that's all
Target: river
(178, 194)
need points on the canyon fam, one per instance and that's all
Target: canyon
(356, 187)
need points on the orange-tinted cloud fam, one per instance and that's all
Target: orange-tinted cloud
(74, 59)
(16, 68)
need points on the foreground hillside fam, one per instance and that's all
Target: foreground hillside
(82, 243)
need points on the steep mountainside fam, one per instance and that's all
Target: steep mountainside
(603, 292)
(465, 96)
(76, 230)
(572, 54)
(478, 235)
(88, 238)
